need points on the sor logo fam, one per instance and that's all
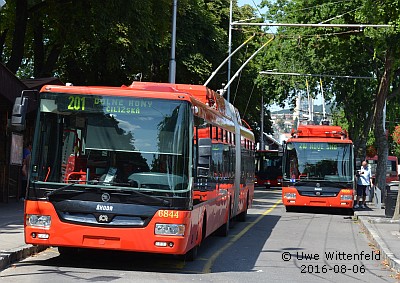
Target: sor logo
(105, 197)
(103, 218)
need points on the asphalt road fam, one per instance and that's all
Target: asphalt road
(271, 246)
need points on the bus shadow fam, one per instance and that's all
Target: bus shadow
(236, 245)
(112, 260)
(320, 210)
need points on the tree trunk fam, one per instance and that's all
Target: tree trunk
(396, 215)
(379, 130)
(18, 41)
(38, 45)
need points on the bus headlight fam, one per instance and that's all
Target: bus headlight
(290, 195)
(169, 229)
(346, 197)
(34, 220)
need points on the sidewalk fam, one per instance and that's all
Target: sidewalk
(383, 232)
(12, 243)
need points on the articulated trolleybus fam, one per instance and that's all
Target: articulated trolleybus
(318, 168)
(148, 168)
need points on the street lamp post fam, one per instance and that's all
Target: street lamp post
(228, 94)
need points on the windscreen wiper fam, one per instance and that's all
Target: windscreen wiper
(140, 197)
(60, 189)
(342, 185)
(159, 201)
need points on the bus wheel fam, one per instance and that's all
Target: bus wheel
(224, 229)
(348, 211)
(290, 208)
(241, 217)
(68, 252)
(192, 254)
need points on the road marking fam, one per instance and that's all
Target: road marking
(209, 264)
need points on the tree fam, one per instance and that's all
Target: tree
(396, 138)
(323, 51)
(388, 75)
(326, 52)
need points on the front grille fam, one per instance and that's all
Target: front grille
(317, 194)
(103, 219)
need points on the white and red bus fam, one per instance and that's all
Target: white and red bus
(318, 168)
(151, 167)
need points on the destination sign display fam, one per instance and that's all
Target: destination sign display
(102, 104)
(318, 146)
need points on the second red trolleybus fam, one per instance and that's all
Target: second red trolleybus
(148, 168)
(392, 164)
(318, 168)
(268, 168)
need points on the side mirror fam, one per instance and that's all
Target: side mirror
(204, 159)
(204, 148)
(280, 150)
(19, 113)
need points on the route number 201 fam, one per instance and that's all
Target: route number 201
(168, 214)
(76, 103)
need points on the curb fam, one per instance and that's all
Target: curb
(391, 259)
(10, 256)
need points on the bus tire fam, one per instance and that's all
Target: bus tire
(191, 255)
(241, 217)
(224, 229)
(68, 252)
(290, 208)
(348, 211)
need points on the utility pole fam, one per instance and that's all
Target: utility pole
(262, 123)
(228, 95)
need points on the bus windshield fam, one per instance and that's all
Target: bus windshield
(268, 164)
(136, 143)
(318, 161)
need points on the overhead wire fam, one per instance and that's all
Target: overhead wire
(339, 16)
(282, 35)
(256, 7)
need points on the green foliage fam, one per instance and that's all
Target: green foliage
(332, 51)
(108, 42)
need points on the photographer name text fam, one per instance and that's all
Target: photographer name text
(332, 255)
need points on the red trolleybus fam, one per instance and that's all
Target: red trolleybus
(268, 168)
(391, 168)
(147, 168)
(318, 168)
